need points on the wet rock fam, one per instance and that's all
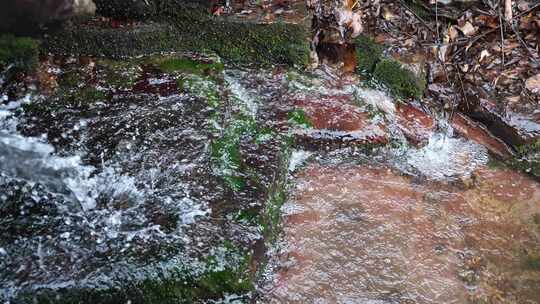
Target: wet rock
(18, 53)
(367, 233)
(333, 113)
(333, 120)
(232, 38)
(513, 119)
(161, 86)
(479, 134)
(166, 226)
(404, 78)
(416, 125)
(27, 15)
(528, 159)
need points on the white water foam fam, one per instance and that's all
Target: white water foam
(445, 157)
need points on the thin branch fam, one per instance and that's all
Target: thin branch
(501, 27)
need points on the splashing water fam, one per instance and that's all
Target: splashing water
(445, 157)
(31, 160)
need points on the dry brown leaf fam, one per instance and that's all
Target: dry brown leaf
(452, 33)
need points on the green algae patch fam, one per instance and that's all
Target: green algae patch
(368, 54)
(399, 80)
(277, 195)
(190, 66)
(298, 117)
(528, 159)
(21, 53)
(225, 272)
(226, 151)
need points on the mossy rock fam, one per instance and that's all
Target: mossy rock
(226, 272)
(399, 80)
(528, 159)
(171, 65)
(234, 40)
(21, 53)
(368, 54)
(298, 117)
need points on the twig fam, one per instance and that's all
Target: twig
(424, 23)
(437, 21)
(501, 26)
(523, 43)
(508, 10)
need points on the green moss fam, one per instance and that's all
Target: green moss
(298, 117)
(277, 195)
(528, 159)
(368, 54)
(225, 273)
(19, 52)
(530, 148)
(238, 41)
(398, 79)
(226, 150)
(202, 86)
(251, 216)
(189, 65)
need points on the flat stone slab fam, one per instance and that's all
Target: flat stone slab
(367, 234)
(235, 37)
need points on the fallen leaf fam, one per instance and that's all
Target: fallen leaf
(533, 84)
(387, 14)
(484, 54)
(452, 33)
(468, 29)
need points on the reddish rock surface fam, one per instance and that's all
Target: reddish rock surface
(336, 120)
(161, 86)
(514, 119)
(363, 234)
(334, 113)
(479, 134)
(416, 125)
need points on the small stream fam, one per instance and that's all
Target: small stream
(400, 223)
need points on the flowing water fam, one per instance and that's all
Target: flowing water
(71, 222)
(428, 223)
(357, 233)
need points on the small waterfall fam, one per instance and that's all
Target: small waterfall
(446, 157)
